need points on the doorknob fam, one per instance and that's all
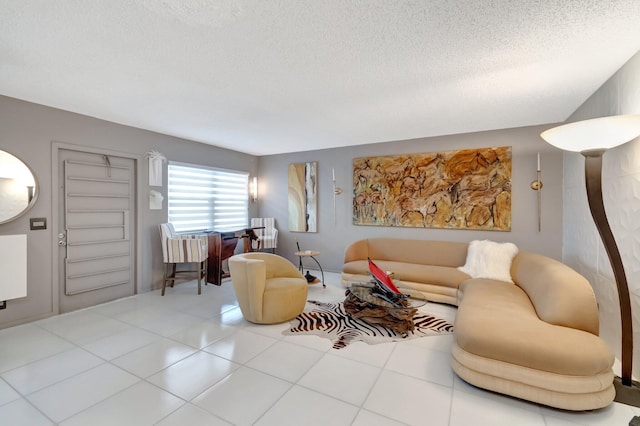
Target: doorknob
(62, 243)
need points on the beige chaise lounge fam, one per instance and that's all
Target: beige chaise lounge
(535, 338)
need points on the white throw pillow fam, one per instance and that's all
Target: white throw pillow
(488, 259)
(473, 257)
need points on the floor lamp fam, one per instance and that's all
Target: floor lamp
(592, 138)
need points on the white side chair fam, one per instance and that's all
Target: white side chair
(183, 249)
(268, 236)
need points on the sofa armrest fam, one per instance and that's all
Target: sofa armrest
(358, 250)
(560, 295)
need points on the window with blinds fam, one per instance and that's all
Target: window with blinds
(203, 198)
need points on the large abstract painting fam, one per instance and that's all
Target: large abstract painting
(465, 189)
(303, 184)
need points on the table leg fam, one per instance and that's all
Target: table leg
(321, 271)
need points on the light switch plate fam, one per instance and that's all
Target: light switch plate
(38, 223)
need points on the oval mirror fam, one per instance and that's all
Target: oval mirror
(18, 188)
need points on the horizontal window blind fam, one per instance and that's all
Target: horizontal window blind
(202, 198)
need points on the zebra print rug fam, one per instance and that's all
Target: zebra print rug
(331, 321)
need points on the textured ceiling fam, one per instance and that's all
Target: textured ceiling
(274, 76)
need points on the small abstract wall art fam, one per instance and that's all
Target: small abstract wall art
(303, 187)
(463, 189)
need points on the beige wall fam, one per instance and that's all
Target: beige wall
(334, 235)
(583, 249)
(29, 131)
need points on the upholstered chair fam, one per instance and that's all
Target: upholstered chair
(269, 288)
(183, 249)
(267, 236)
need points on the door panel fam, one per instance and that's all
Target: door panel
(94, 281)
(86, 217)
(115, 248)
(97, 211)
(98, 233)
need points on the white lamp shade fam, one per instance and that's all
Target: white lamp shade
(253, 189)
(598, 133)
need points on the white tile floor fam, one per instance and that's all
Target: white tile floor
(185, 359)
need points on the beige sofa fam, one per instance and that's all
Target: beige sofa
(535, 339)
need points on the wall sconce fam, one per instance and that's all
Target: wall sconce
(592, 138)
(24, 179)
(155, 200)
(30, 193)
(536, 185)
(336, 191)
(253, 189)
(155, 167)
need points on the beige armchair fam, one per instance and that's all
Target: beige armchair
(183, 249)
(269, 288)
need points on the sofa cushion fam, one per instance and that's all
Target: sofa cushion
(488, 259)
(427, 274)
(497, 321)
(419, 252)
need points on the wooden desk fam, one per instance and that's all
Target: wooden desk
(222, 245)
(216, 252)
